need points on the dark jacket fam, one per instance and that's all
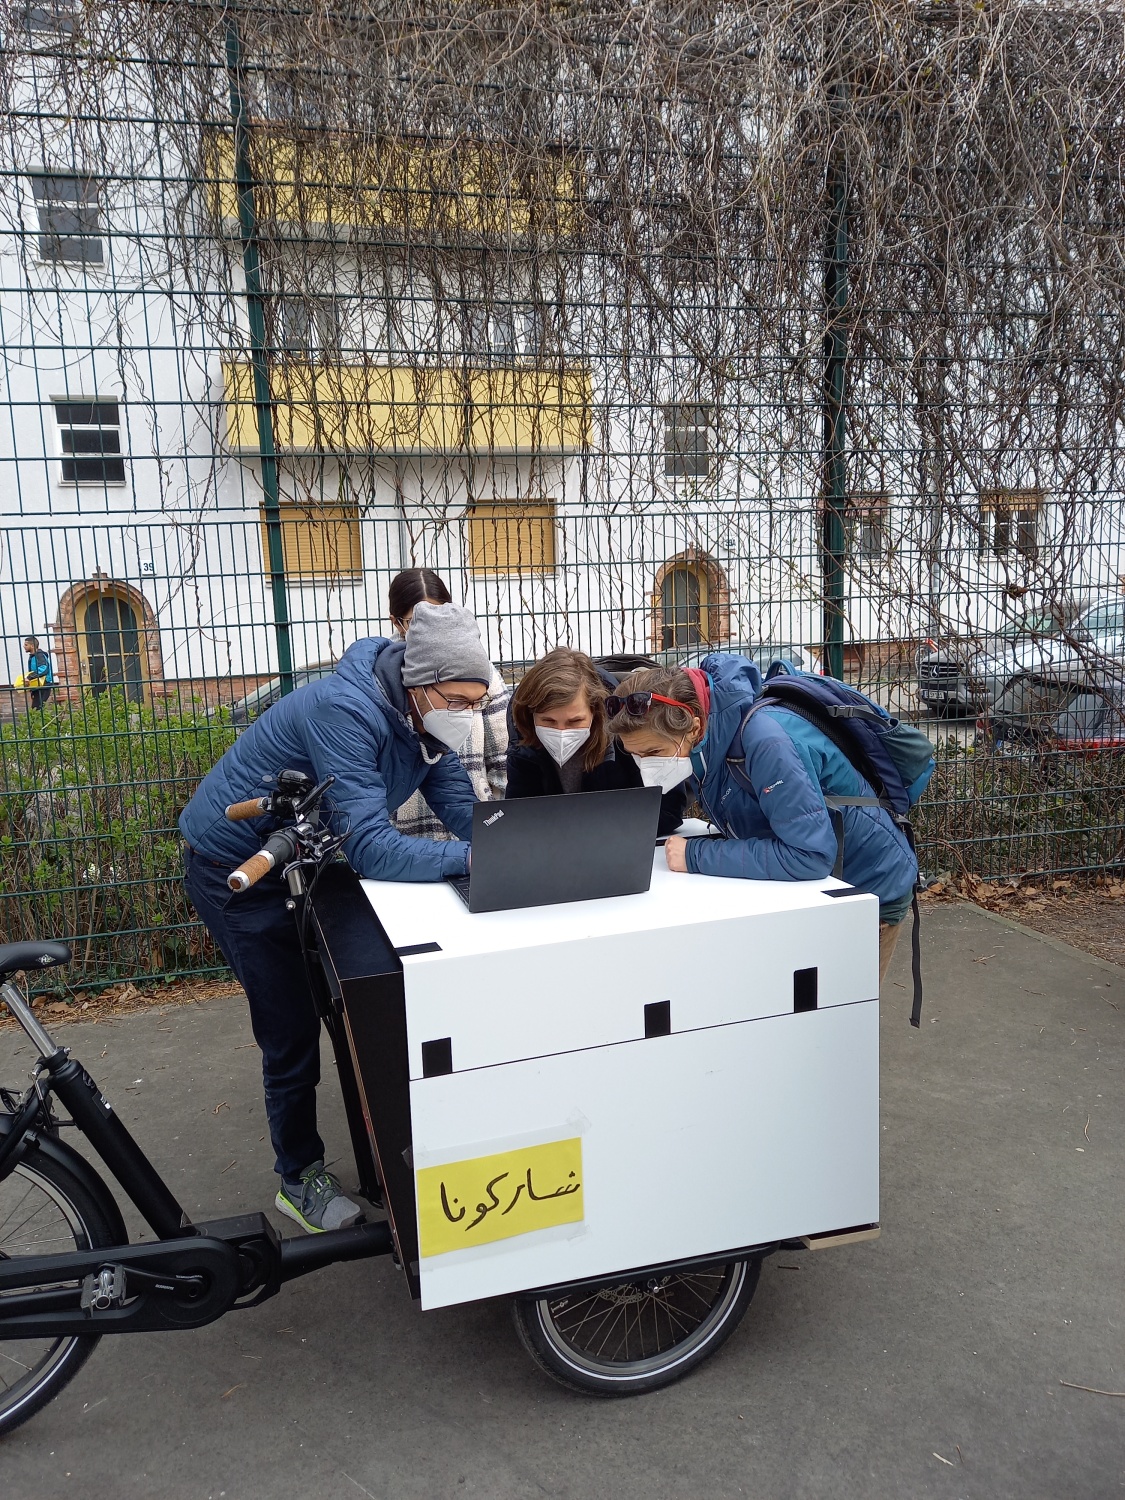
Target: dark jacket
(782, 830)
(532, 773)
(354, 725)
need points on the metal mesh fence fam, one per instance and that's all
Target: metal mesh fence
(689, 338)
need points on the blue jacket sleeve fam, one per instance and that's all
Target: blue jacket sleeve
(449, 792)
(801, 844)
(340, 744)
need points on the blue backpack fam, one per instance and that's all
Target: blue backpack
(895, 759)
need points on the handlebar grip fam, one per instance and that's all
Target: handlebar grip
(254, 808)
(251, 870)
(278, 849)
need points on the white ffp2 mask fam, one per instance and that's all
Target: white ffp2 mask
(561, 744)
(664, 771)
(451, 726)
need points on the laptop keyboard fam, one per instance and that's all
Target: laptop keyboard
(460, 884)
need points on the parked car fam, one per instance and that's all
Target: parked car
(969, 675)
(1035, 712)
(247, 709)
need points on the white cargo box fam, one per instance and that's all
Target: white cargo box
(609, 1085)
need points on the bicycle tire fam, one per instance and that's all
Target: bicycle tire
(87, 1227)
(588, 1340)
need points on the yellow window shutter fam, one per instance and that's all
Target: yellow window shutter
(511, 537)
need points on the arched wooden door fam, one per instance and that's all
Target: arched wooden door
(683, 605)
(111, 646)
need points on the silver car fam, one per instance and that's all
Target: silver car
(967, 676)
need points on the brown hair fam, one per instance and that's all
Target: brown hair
(560, 676)
(413, 586)
(668, 722)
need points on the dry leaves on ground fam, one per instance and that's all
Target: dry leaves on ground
(127, 999)
(1089, 914)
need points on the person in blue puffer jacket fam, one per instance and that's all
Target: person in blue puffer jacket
(684, 722)
(388, 721)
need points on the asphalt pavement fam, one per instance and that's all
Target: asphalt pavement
(930, 1363)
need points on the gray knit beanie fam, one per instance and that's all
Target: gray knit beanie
(443, 644)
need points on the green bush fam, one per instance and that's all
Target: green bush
(90, 793)
(1001, 816)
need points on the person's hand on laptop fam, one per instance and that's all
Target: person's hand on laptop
(675, 852)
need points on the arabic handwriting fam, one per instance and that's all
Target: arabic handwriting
(492, 1200)
(562, 1192)
(449, 1214)
(486, 1208)
(515, 1199)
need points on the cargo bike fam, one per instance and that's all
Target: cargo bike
(609, 1112)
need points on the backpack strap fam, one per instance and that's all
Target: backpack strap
(835, 806)
(737, 763)
(850, 711)
(915, 936)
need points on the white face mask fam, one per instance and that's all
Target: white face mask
(561, 744)
(452, 726)
(664, 771)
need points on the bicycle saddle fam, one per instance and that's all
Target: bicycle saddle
(14, 956)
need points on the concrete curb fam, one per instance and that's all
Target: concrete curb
(1052, 942)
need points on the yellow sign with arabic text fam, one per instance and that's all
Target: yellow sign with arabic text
(486, 1198)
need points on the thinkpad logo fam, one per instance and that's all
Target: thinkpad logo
(495, 818)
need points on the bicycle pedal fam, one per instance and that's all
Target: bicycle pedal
(104, 1290)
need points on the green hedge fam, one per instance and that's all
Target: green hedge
(89, 851)
(91, 792)
(1002, 816)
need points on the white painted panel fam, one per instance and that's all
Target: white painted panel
(427, 913)
(591, 991)
(692, 1144)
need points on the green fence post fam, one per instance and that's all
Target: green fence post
(263, 406)
(835, 480)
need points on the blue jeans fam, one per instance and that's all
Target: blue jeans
(258, 938)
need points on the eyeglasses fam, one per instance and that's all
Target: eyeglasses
(455, 705)
(638, 704)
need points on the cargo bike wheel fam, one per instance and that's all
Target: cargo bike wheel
(44, 1210)
(625, 1338)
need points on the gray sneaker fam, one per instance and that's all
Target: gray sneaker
(317, 1202)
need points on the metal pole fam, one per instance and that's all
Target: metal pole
(835, 481)
(263, 406)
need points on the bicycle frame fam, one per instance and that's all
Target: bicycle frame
(194, 1273)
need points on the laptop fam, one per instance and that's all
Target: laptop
(538, 851)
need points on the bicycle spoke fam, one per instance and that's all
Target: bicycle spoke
(631, 1327)
(28, 1190)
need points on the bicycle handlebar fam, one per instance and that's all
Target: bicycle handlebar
(237, 812)
(279, 848)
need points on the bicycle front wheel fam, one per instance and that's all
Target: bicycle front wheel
(44, 1210)
(625, 1339)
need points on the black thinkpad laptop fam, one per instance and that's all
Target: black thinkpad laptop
(537, 851)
